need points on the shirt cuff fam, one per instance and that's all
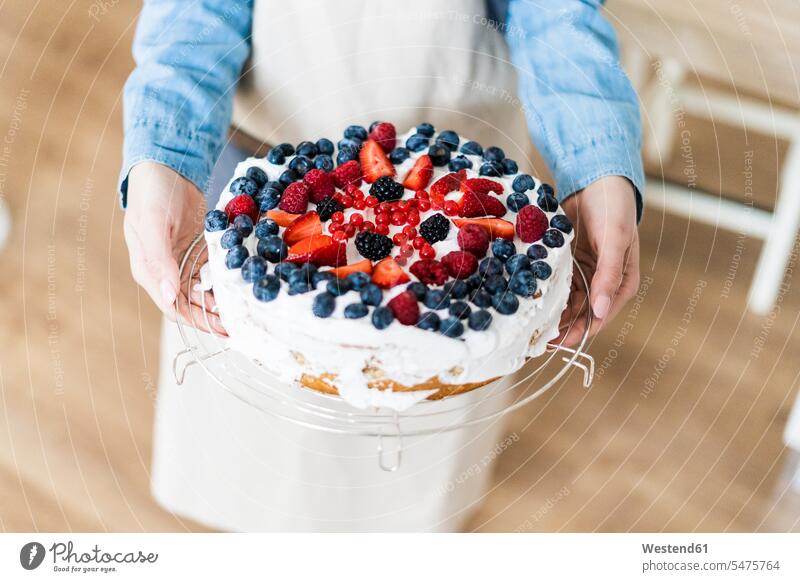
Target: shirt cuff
(189, 154)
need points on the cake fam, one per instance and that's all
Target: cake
(388, 269)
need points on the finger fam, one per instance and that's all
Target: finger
(152, 263)
(611, 256)
(198, 318)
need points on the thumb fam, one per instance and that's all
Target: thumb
(152, 261)
(608, 274)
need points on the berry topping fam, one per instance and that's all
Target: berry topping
(546, 198)
(510, 167)
(426, 129)
(516, 201)
(531, 224)
(301, 165)
(347, 173)
(451, 327)
(439, 154)
(235, 257)
(320, 183)
(242, 204)
(459, 309)
(480, 320)
(257, 175)
(481, 298)
(266, 227)
(320, 250)
(355, 132)
(449, 139)
(522, 283)
(324, 146)
(553, 238)
(429, 321)
(303, 227)
(537, 252)
(253, 269)
(436, 299)
(307, 149)
(371, 294)
(268, 197)
(283, 270)
(356, 311)
(364, 266)
(473, 239)
(267, 288)
(295, 198)
(435, 228)
(505, 303)
(231, 238)
(491, 266)
(405, 308)
(562, 223)
(523, 183)
(276, 156)
(448, 183)
(324, 305)
(474, 204)
(459, 163)
(399, 155)
(518, 263)
(385, 135)
(503, 249)
(389, 273)
(382, 317)
(496, 227)
(244, 185)
(359, 280)
(373, 246)
(281, 218)
(460, 264)
(494, 169)
(429, 271)
(481, 185)
(456, 289)
(347, 154)
(327, 207)
(272, 248)
(418, 289)
(419, 176)
(324, 162)
(472, 148)
(541, 270)
(493, 154)
(386, 189)
(216, 220)
(417, 142)
(244, 224)
(374, 163)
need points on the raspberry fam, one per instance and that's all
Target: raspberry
(295, 198)
(429, 271)
(434, 228)
(385, 134)
(531, 223)
(242, 204)
(460, 264)
(473, 239)
(347, 173)
(320, 183)
(405, 308)
(482, 185)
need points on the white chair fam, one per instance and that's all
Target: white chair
(5, 224)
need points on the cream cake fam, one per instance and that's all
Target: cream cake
(388, 269)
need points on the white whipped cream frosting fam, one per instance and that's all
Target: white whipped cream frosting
(286, 338)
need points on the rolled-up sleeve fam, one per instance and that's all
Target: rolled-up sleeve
(583, 113)
(178, 99)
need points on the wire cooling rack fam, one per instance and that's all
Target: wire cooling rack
(250, 382)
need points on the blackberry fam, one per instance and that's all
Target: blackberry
(327, 206)
(373, 246)
(385, 189)
(434, 228)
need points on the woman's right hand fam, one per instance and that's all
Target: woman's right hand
(164, 215)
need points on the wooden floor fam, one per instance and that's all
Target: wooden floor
(680, 431)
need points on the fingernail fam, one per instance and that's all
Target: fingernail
(168, 293)
(600, 307)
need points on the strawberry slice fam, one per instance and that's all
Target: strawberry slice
(419, 176)
(473, 204)
(388, 273)
(282, 217)
(481, 185)
(320, 250)
(307, 225)
(364, 266)
(496, 227)
(374, 163)
(448, 183)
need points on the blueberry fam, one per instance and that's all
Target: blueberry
(283, 270)
(562, 223)
(472, 148)
(417, 142)
(235, 257)
(244, 186)
(358, 280)
(303, 274)
(257, 175)
(356, 311)
(493, 154)
(322, 276)
(502, 249)
(373, 125)
(429, 321)
(553, 238)
(541, 270)
(216, 220)
(439, 154)
(505, 303)
(481, 298)
(299, 286)
(490, 266)
(349, 143)
(287, 177)
(268, 198)
(510, 167)
(495, 283)
(451, 327)
(276, 156)
(518, 263)
(267, 288)
(253, 269)
(492, 169)
(436, 299)
(231, 238)
(480, 320)
(301, 165)
(474, 281)
(523, 183)
(307, 149)
(266, 227)
(324, 304)
(399, 155)
(536, 252)
(448, 139)
(371, 294)
(356, 131)
(522, 283)
(276, 185)
(382, 317)
(286, 149)
(243, 224)
(345, 155)
(272, 248)
(324, 162)
(546, 198)
(516, 201)
(459, 163)
(418, 289)
(456, 289)
(459, 309)
(426, 129)
(324, 146)
(338, 286)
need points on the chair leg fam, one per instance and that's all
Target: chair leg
(659, 102)
(5, 224)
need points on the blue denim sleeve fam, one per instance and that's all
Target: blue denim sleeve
(178, 100)
(582, 111)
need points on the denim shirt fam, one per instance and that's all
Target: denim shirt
(583, 114)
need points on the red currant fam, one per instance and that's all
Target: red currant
(339, 236)
(451, 208)
(427, 252)
(419, 242)
(356, 219)
(406, 250)
(371, 201)
(413, 218)
(368, 226)
(424, 205)
(382, 229)
(399, 238)
(337, 217)
(398, 217)
(383, 218)
(409, 231)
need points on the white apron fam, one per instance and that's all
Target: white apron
(317, 67)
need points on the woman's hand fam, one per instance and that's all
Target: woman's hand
(164, 215)
(607, 249)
